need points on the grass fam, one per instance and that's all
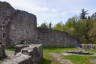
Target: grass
(10, 49)
(91, 50)
(78, 59)
(81, 59)
(49, 59)
(57, 49)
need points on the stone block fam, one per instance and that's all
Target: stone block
(32, 54)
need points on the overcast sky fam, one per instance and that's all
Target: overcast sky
(53, 10)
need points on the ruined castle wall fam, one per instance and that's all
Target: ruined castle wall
(23, 27)
(6, 10)
(20, 26)
(32, 54)
(56, 38)
(17, 25)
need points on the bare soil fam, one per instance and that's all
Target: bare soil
(58, 57)
(93, 61)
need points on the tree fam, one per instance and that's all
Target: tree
(59, 26)
(83, 14)
(92, 32)
(43, 25)
(79, 28)
(50, 25)
(83, 28)
(70, 25)
(93, 16)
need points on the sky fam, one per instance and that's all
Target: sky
(54, 11)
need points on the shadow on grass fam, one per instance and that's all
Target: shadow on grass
(45, 61)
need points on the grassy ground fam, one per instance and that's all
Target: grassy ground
(76, 59)
(92, 50)
(49, 59)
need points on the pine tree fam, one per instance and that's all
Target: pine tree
(83, 14)
(50, 25)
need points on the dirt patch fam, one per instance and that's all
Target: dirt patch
(93, 61)
(58, 57)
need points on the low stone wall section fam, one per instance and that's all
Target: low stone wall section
(55, 38)
(32, 54)
(91, 46)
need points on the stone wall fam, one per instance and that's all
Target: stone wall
(91, 46)
(6, 10)
(32, 54)
(21, 27)
(49, 37)
(16, 25)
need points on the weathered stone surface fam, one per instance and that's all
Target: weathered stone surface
(79, 52)
(16, 26)
(49, 37)
(19, 59)
(19, 47)
(6, 12)
(91, 46)
(20, 27)
(23, 27)
(2, 52)
(32, 54)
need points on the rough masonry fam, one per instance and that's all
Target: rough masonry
(31, 54)
(20, 27)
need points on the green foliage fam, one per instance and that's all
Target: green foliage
(83, 14)
(82, 27)
(59, 26)
(43, 25)
(70, 25)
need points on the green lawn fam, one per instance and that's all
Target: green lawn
(76, 59)
(57, 49)
(49, 59)
(81, 59)
(92, 50)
